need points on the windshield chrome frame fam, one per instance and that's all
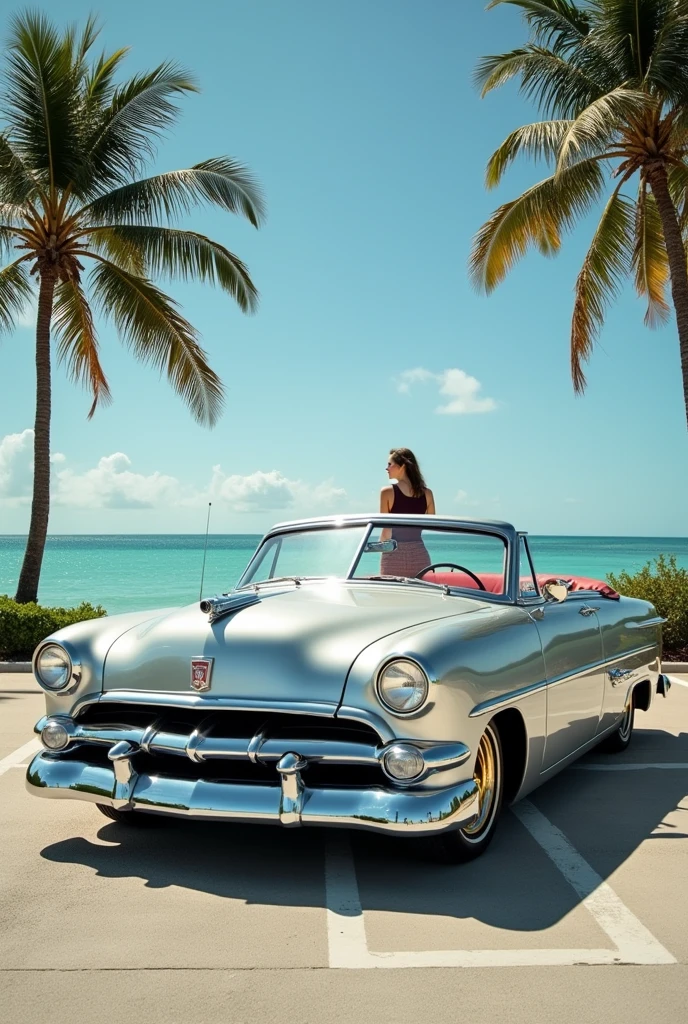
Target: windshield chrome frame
(502, 531)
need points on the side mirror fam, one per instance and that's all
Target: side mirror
(382, 546)
(555, 590)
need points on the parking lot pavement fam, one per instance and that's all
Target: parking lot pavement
(199, 922)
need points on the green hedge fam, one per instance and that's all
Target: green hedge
(23, 626)
(667, 588)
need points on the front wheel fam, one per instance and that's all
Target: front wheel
(466, 843)
(621, 737)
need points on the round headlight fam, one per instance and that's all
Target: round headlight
(53, 667)
(54, 735)
(403, 762)
(402, 685)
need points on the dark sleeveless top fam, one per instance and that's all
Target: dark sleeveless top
(410, 507)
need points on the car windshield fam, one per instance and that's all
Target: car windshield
(453, 557)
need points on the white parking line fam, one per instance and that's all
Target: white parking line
(348, 947)
(675, 681)
(18, 756)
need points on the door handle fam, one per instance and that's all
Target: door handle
(587, 610)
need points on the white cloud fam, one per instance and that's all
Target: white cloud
(112, 484)
(16, 466)
(270, 491)
(462, 390)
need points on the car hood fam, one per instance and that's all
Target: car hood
(294, 644)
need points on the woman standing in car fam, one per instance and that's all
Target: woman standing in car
(408, 495)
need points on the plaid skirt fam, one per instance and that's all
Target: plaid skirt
(409, 558)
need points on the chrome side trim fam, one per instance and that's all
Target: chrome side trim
(567, 676)
(509, 698)
(657, 621)
(376, 809)
(515, 695)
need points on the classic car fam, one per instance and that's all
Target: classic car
(329, 689)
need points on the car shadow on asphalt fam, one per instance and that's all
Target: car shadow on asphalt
(606, 815)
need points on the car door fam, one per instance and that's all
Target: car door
(572, 649)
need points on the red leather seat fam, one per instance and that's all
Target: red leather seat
(494, 582)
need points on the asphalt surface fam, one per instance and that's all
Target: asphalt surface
(577, 913)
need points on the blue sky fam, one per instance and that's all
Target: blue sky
(363, 126)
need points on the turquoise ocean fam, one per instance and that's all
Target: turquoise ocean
(132, 572)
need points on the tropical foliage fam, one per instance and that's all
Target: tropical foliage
(666, 586)
(74, 143)
(610, 79)
(23, 626)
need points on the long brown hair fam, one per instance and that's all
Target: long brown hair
(405, 457)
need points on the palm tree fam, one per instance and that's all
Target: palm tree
(72, 149)
(610, 79)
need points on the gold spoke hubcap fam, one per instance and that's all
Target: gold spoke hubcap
(485, 775)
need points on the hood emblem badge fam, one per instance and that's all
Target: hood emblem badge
(201, 671)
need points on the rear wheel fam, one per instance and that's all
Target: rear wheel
(621, 737)
(466, 843)
(137, 819)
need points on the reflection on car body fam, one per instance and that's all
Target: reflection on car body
(321, 691)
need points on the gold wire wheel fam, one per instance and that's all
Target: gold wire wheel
(486, 778)
(627, 720)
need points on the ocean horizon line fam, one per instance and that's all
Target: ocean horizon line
(173, 533)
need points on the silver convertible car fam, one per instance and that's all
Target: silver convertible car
(403, 674)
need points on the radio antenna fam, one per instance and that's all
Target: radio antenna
(205, 550)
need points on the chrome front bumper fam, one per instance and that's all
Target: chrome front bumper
(289, 802)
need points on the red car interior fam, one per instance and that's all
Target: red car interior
(494, 582)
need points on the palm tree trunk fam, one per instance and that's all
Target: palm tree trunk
(27, 588)
(657, 176)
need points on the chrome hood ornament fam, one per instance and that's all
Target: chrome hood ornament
(217, 607)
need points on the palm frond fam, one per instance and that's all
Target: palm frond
(537, 217)
(222, 181)
(678, 188)
(600, 123)
(78, 343)
(539, 140)
(558, 87)
(186, 255)
(99, 87)
(15, 292)
(626, 32)
(599, 281)
(16, 183)
(667, 68)
(42, 102)
(124, 136)
(110, 243)
(650, 260)
(150, 323)
(557, 24)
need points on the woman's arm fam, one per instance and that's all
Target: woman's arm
(386, 502)
(429, 497)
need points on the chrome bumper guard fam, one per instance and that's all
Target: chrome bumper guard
(290, 803)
